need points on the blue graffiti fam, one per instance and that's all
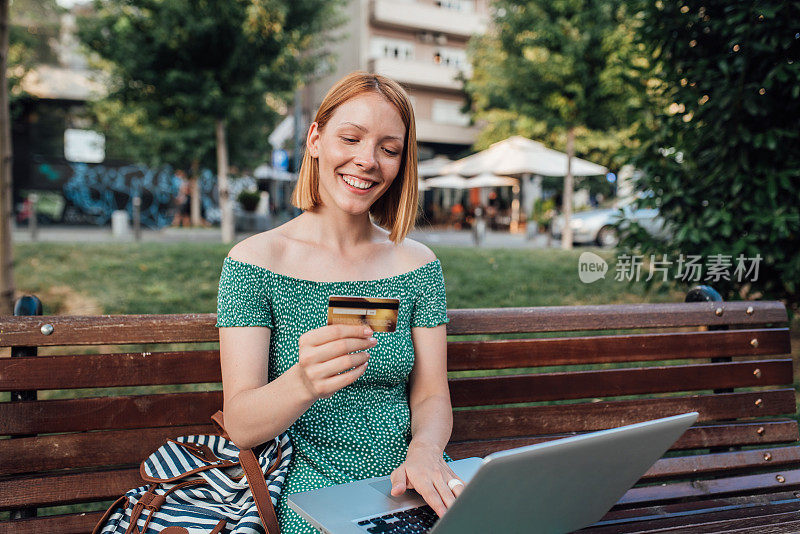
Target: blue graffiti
(48, 172)
(94, 192)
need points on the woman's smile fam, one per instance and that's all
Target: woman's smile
(357, 185)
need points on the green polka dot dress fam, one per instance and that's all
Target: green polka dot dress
(362, 430)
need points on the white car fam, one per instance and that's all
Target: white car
(596, 226)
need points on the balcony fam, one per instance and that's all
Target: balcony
(418, 73)
(419, 16)
(434, 132)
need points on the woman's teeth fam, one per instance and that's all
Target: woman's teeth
(359, 184)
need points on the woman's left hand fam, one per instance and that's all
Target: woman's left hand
(426, 471)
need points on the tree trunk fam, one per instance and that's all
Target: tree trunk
(6, 251)
(194, 206)
(566, 206)
(226, 207)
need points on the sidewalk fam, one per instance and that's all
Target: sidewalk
(94, 234)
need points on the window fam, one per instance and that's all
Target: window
(451, 57)
(391, 48)
(467, 6)
(449, 112)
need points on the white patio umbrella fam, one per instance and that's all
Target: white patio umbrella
(430, 167)
(263, 172)
(519, 155)
(488, 179)
(450, 181)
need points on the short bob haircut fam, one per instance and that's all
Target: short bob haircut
(396, 209)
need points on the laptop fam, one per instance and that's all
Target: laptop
(552, 487)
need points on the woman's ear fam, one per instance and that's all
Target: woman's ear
(312, 140)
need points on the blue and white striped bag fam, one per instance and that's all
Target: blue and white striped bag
(201, 485)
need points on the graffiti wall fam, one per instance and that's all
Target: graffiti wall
(90, 193)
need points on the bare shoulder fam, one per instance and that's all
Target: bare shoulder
(414, 254)
(259, 249)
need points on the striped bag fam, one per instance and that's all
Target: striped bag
(204, 485)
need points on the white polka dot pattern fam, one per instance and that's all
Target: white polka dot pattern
(363, 430)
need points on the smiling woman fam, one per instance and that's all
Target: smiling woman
(356, 403)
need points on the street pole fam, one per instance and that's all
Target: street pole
(137, 218)
(6, 251)
(225, 204)
(566, 233)
(33, 222)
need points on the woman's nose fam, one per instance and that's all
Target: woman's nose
(365, 158)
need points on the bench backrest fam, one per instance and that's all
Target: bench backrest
(554, 372)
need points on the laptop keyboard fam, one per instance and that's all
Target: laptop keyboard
(410, 521)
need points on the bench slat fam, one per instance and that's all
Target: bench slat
(697, 437)
(724, 462)
(658, 519)
(120, 447)
(131, 446)
(672, 516)
(106, 413)
(785, 523)
(149, 368)
(736, 504)
(193, 328)
(501, 354)
(81, 449)
(612, 316)
(68, 489)
(779, 523)
(103, 485)
(57, 524)
(109, 370)
(714, 487)
(109, 413)
(583, 417)
(615, 382)
(108, 329)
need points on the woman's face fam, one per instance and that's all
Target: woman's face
(360, 151)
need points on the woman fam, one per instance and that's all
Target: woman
(349, 414)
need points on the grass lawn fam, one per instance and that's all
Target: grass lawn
(86, 279)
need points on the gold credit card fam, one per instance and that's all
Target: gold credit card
(380, 314)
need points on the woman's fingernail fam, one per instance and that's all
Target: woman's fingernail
(372, 340)
(367, 331)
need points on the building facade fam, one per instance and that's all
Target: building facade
(422, 45)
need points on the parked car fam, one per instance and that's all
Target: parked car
(596, 226)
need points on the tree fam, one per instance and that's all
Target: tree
(556, 68)
(6, 256)
(188, 69)
(720, 152)
(27, 29)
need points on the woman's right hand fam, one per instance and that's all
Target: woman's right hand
(324, 354)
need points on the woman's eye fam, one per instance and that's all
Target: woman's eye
(390, 152)
(349, 140)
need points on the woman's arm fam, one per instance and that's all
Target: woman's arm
(431, 423)
(429, 394)
(256, 410)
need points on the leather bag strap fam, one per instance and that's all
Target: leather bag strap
(255, 478)
(219, 422)
(258, 485)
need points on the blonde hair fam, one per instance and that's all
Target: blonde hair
(396, 209)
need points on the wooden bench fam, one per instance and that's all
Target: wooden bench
(738, 469)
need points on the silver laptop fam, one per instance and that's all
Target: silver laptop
(552, 487)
